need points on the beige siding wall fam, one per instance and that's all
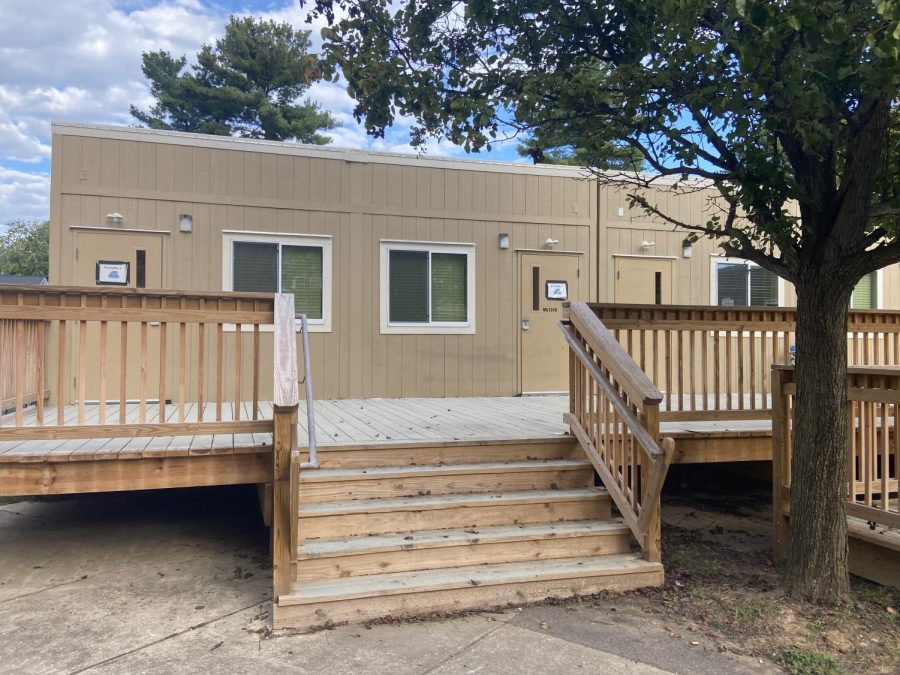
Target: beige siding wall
(623, 234)
(358, 203)
(360, 199)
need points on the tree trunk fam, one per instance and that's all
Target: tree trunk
(817, 568)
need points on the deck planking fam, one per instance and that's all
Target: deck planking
(338, 422)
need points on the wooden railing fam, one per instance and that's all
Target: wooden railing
(714, 362)
(122, 363)
(614, 414)
(22, 379)
(873, 458)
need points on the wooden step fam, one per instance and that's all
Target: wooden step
(407, 453)
(408, 593)
(324, 485)
(356, 556)
(378, 516)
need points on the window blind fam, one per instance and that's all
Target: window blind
(763, 287)
(864, 293)
(255, 267)
(408, 286)
(448, 287)
(301, 274)
(732, 284)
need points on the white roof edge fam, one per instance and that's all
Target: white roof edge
(304, 150)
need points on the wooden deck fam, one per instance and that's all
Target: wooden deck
(370, 421)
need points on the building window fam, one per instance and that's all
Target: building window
(739, 283)
(865, 294)
(269, 263)
(427, 288)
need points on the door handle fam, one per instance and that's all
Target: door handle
(525, 324)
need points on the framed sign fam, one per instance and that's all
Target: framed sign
(557, 290)
(113, 273)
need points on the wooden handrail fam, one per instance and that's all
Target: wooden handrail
(625, 371)
(614, 415)
(286, 456)
(873, 468)
(630, 420)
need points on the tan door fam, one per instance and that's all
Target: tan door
(644, 281)
(143, 253)
(546, 280)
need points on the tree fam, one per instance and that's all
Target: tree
(563, 145)
(246, 84)
(787, 109)
(25, 248)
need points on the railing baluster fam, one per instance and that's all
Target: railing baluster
(123, 365)
(163, 362)
(201, 366)
(256, 364)
(144, 366)
(239, 357)
(82, 363)
(104, 337)
(19, 377)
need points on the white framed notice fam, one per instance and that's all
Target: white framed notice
(113, 273)
(557, 290)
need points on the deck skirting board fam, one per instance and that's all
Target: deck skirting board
(117, 475)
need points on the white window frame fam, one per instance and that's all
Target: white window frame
(433, 327)
(879, 300)
(323, 241)
(714, 278)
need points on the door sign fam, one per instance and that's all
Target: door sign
(557, 290)
(113, 273)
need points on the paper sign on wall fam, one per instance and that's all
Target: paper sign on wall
(557, 290)
(113, 273)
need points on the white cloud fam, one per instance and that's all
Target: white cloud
(23, 194)
(80, 60)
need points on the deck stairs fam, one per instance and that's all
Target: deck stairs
(406, 529)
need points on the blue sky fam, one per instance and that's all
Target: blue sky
(80, 60)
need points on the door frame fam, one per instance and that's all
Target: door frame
(520, 256)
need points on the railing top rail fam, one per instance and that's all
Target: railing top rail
(104, 304)
(625, 371)
(16, 289)
(774, 318)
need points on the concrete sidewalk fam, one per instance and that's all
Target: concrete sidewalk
(180, 581)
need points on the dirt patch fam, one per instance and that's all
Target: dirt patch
(721, 580)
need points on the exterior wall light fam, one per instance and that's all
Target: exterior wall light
(686, 248)
(185, 222)
(115, 218)
(504, 240)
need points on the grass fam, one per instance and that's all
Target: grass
(806, 662)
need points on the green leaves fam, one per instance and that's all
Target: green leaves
(248, 83)
(25, 248)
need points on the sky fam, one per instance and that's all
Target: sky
(80, 61)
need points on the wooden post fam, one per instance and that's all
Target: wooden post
(780, 479)
(652, 543)
(283, 519)
(285, 455)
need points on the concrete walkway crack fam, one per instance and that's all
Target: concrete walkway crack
(464, 648)
(168, 637)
